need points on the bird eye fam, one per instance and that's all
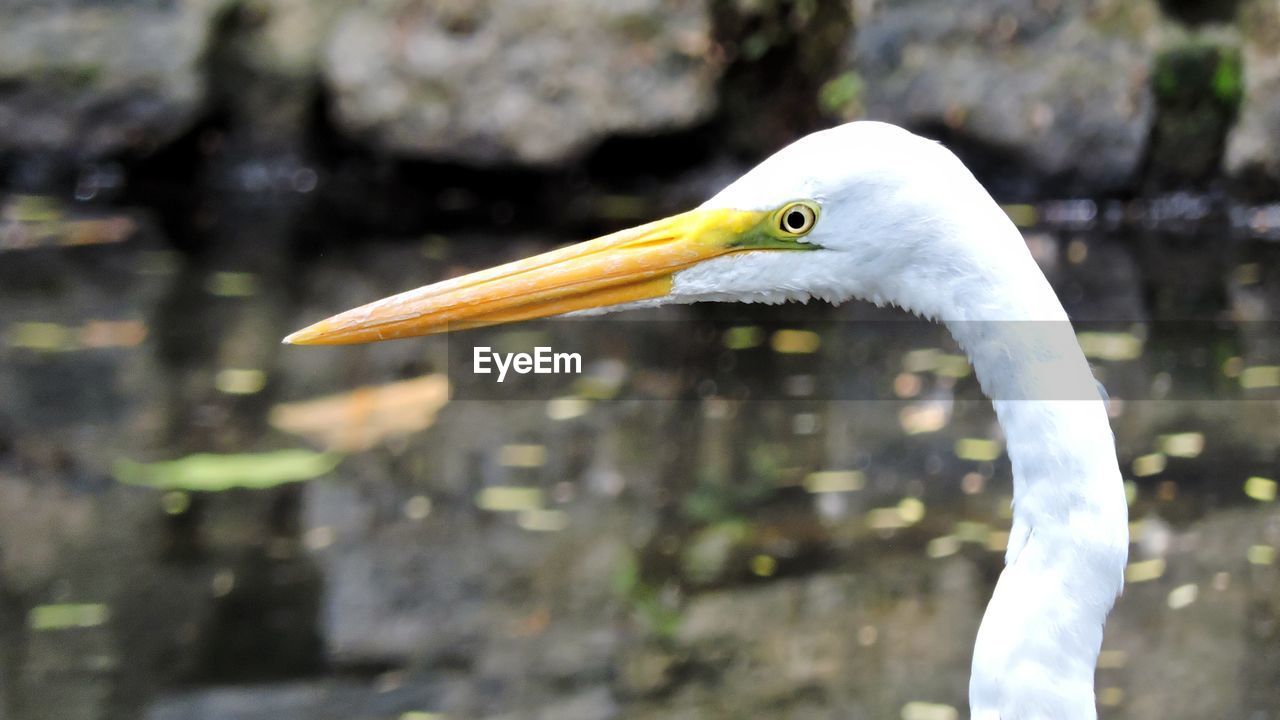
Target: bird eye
(796, 219)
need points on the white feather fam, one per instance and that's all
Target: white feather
(902, 221)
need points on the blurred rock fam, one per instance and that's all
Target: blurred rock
(326, 700)
(782, 55)
(1055, 91)
(823, 646)
(1209, 620)
(75, 312)
(597, 704)
(529, 82)
(288, 36)
(265, 67)
(86, 380)
(1253, 155)
(92, 79)
(1198, 86)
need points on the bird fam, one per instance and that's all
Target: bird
(871, 211)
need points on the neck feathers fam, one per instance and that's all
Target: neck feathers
(1038, 645)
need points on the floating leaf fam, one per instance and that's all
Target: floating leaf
(67, 615)
(827, 481)
(1144, 571)
(796, 342)
(365, 417)
(212, 473)
(1260, 489)
(978, 449)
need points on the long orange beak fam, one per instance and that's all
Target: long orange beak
(627, 266)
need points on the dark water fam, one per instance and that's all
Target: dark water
(734, 512)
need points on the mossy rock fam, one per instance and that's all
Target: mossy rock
(1198, 86)
(1200, 72)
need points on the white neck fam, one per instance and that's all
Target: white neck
(905, 223)
(1038, 645)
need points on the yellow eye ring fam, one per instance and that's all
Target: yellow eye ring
(797, 219)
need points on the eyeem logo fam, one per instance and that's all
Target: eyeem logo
(543, 361)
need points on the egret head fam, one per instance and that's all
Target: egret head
(847, 212)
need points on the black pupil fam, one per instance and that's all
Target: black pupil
(795, 220)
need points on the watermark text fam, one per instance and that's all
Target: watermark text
(542, 361)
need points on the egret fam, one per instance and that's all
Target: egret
(869, 210)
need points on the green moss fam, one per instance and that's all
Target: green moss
(780, 52)
(713, 501)
(757, 44)
(708, 552)
(645, 600)
(74, 76)
(1198, 85)
(1199, 70)
(1228, 79)
(841, 96)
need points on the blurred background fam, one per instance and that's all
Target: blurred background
(196, 522)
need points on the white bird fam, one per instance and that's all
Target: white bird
(868, 210)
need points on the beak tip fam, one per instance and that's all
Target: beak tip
(305, 336)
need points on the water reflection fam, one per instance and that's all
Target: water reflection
(721, 520)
